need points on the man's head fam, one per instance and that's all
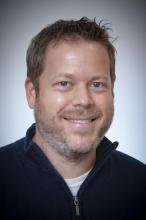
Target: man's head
(70, 86)
(70, 30)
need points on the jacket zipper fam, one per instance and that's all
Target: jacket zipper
(77, 205)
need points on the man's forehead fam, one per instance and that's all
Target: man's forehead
(73, 42)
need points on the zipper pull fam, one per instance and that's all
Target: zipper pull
(76, 203)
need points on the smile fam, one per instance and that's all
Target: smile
(81, 125)
(81, 120)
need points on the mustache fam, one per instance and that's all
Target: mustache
(80, 113)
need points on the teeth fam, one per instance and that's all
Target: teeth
(80, 121)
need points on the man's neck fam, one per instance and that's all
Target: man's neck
(67, 168)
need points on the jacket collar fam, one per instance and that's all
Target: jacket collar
(104, 150)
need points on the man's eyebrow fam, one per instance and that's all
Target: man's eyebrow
(100, 77)
(61, 74)
(72, 76)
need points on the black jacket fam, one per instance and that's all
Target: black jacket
(31, 188)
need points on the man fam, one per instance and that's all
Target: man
(65, 168)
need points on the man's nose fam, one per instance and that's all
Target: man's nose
(82, 96)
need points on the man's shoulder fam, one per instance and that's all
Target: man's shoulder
(10, 149)
(123, 157)
(125, 163)
(121, 160)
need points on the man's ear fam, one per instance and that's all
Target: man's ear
(30, 93)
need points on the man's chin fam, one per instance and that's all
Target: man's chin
(82, 146)
(77, 154)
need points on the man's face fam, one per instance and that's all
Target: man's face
(74, 107)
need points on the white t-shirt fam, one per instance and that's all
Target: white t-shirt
(75, 183)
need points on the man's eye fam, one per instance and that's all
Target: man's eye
(64, 83)
(97, 84)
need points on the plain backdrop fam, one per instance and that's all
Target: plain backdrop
(20, 20)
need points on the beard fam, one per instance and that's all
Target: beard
(55, 137)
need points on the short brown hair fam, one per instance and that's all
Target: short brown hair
(67, 29)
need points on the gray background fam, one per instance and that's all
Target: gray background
(21, 20)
